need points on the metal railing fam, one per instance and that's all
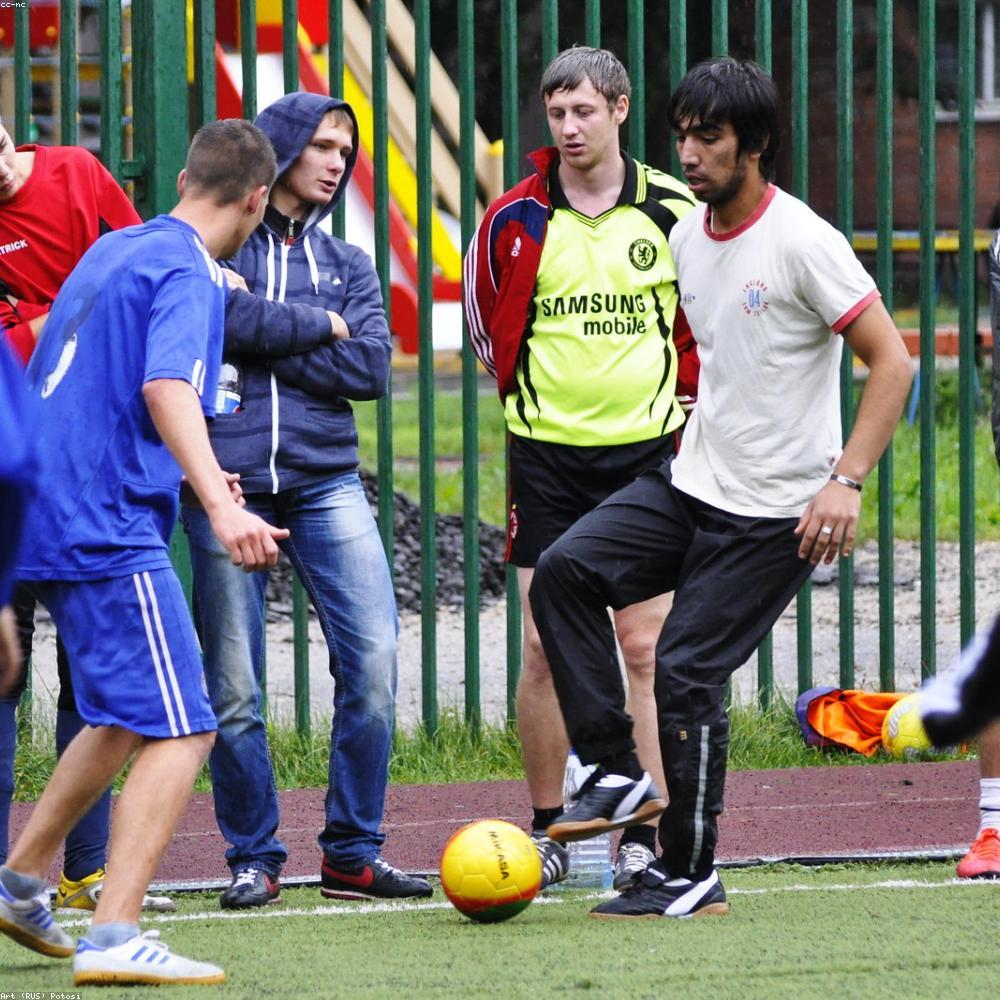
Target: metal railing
(148, 109)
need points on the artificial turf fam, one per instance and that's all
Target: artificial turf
(906, 931)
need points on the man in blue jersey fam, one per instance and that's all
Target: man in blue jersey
(132, 342)
(17, 471)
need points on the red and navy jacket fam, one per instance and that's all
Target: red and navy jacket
(66, 203)
(499, 275)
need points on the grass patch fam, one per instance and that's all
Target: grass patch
(492, 502)
(455, 753)
(844, 931)
(448, 434)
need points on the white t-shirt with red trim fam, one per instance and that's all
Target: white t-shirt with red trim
(765, 303)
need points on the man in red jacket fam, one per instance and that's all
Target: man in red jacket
(54, 203)
(571, 300)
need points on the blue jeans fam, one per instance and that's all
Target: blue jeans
(335, 548)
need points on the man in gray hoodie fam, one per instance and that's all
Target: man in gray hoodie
(291, 436)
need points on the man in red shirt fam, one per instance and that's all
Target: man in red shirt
(54, 203)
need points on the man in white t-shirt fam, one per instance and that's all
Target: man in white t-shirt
(760, 491)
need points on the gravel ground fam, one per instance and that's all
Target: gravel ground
(450, 640)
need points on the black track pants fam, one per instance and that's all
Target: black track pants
(732, 576)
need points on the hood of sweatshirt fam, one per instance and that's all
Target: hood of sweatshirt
(290, 123)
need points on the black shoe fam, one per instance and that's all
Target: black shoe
(555, 859)
(606, 802)
(957, 704)
(632, 861)
(375, 880)
(655, 895)
(251, 887)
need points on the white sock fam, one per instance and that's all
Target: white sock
(989, 803)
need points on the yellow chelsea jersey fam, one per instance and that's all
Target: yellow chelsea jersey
(598, 365)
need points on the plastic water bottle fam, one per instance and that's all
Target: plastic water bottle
(589, 860)
(229, 395)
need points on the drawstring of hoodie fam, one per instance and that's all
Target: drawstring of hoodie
(313, 270)
(269, 291)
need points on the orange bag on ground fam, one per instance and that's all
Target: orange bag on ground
(831, 717)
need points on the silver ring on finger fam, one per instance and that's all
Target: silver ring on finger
(826, 530)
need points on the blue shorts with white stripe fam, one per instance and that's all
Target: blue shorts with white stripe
(133, 652)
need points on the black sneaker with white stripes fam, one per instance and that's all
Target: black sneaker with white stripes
(555, 858)
(658, 895)
(606, 802)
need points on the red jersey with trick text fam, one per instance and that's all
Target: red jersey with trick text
(67, 202)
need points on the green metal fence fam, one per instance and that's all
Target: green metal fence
(148, 106)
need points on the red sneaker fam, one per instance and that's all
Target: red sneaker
(983, 859)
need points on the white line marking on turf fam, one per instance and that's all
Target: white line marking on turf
(900, 883)
(404, 906)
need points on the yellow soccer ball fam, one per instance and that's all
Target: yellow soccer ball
(490, 870)
(903, 733)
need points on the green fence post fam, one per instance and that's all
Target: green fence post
(845, 222)
(22, 77)
(928, 271)
(800, 187)
(592, 23)
(762, 53)
(511, 156)
(884, 268)
(637, 74)
(69, 78)
(763, 45)
(300, 658)
(335, 60)
(550, 30)
(720, 27)
(383, 264)
(205, 103)
(248, 56)
(470, 371)
(161, 131)
(678, 61)
(300, 600)
(22, 134)
(967, 321)
(290, 44)
(111, 87)
(425, 370)
(550, 42)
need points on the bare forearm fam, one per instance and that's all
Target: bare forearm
(176, 412)
(878, 415)
(874, 338)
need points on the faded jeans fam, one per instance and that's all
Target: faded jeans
(335, 548)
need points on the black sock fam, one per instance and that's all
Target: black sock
(624, 763)
(642, 834)
(541, 819)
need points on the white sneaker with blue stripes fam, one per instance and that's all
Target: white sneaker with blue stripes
(29, 922)
(142, 961)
